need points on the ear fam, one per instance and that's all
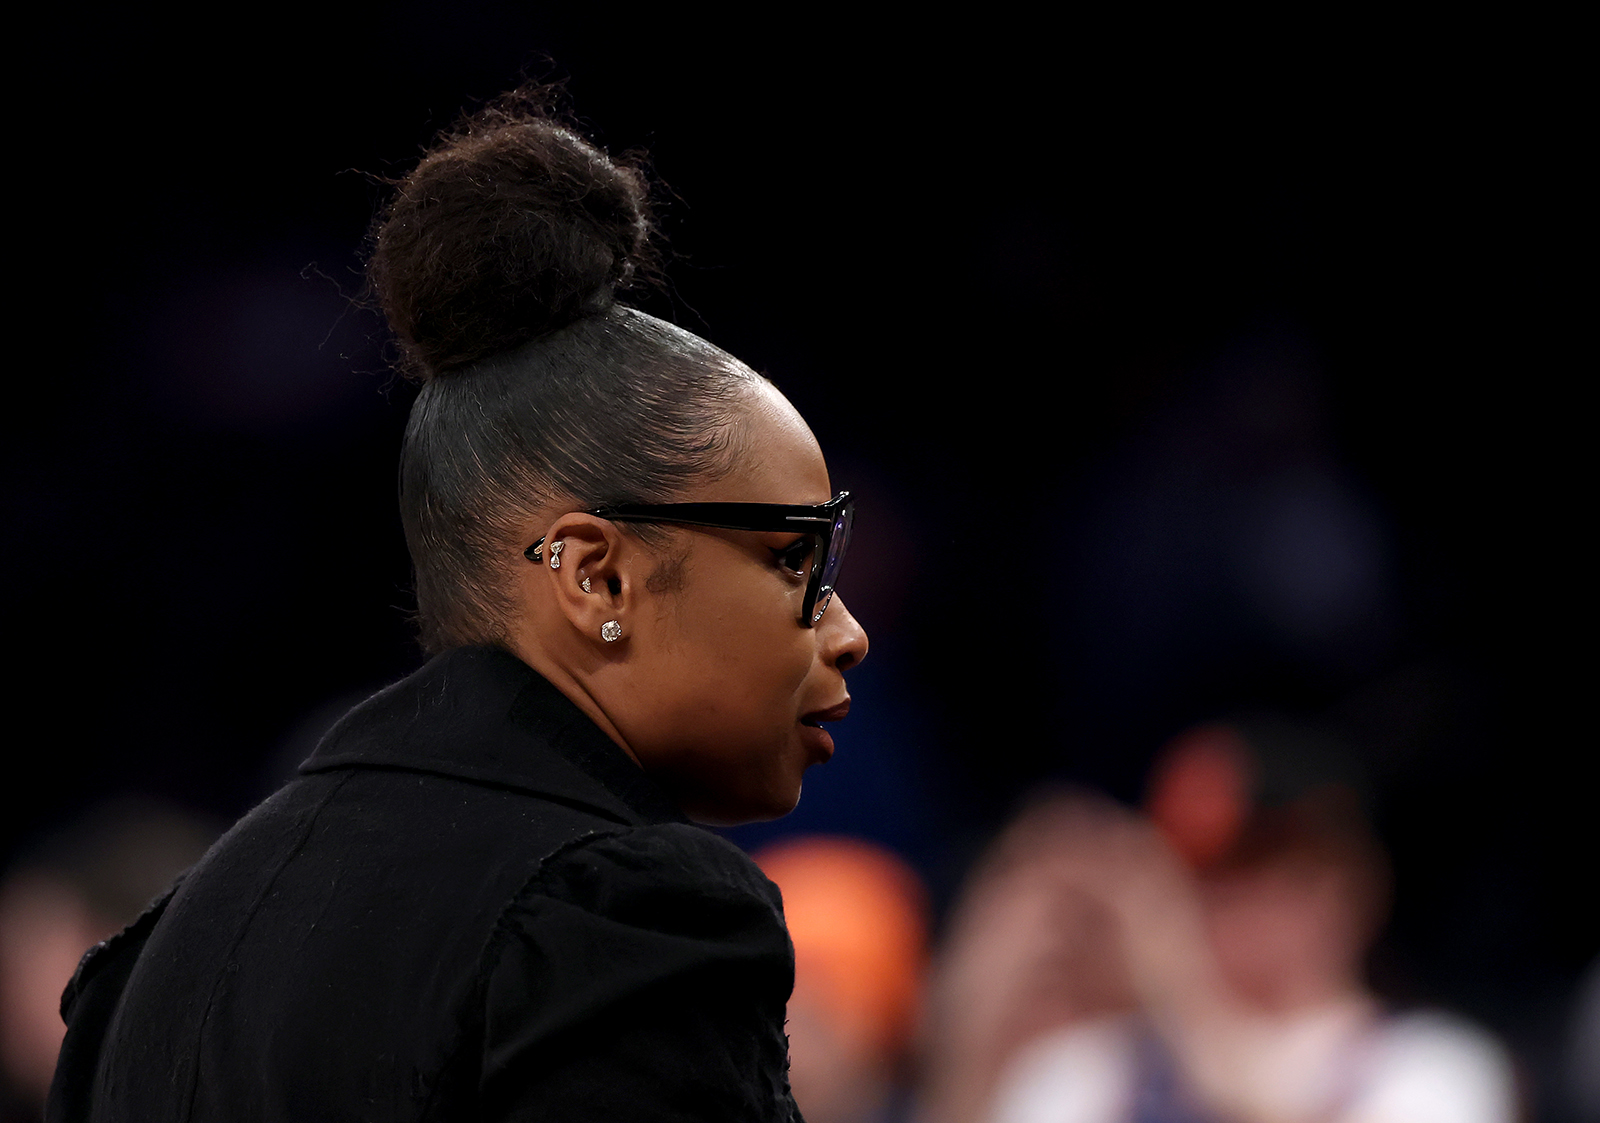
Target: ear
(578, 548)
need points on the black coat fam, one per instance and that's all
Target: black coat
(470, 905)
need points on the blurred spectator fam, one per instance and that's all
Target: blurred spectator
(858, 918)
(1201, 965)
(75, 886)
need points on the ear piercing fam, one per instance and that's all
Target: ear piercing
(584, 585)
(611, 631)
(555, 554)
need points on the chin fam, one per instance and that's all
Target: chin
(747, 808)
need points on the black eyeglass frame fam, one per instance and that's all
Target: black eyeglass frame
(829, 521)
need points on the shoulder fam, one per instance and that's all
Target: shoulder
(652, 904)
(664, 862)
(644, 966)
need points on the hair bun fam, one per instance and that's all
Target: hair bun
(512, 226)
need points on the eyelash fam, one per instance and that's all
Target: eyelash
(799, 551)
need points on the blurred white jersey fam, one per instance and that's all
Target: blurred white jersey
(1328, 1066)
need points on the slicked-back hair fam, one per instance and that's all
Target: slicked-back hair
(618, 407)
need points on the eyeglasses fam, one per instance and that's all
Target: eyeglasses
(830, 522)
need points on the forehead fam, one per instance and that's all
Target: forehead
(779, 460)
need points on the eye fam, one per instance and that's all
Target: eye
(796, 557)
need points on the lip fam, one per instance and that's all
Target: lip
(818, 740)
(832, 713)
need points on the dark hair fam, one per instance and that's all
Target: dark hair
(498, 265)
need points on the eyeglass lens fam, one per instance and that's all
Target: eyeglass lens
(838, 541)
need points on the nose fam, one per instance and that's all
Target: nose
(844, 640)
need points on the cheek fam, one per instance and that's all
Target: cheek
(747, 661)
(738, 631)
(747, 667)
(732, 751)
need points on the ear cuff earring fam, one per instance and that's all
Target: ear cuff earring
(584, 585)
(611, 631)
(555, 554)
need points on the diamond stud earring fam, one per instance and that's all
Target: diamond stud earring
(555, 554)
(584, 584)
(611, 631)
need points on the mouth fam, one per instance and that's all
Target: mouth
(818, 739)
(833, 713)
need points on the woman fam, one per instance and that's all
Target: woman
(483, 897)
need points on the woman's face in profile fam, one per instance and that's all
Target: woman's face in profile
(728, 686)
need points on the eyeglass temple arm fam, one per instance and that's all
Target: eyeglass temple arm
(534, 552)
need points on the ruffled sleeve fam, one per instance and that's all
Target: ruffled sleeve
(640, 976)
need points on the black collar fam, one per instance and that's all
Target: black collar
(478, 713)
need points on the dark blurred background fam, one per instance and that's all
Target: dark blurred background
(1182, 372)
